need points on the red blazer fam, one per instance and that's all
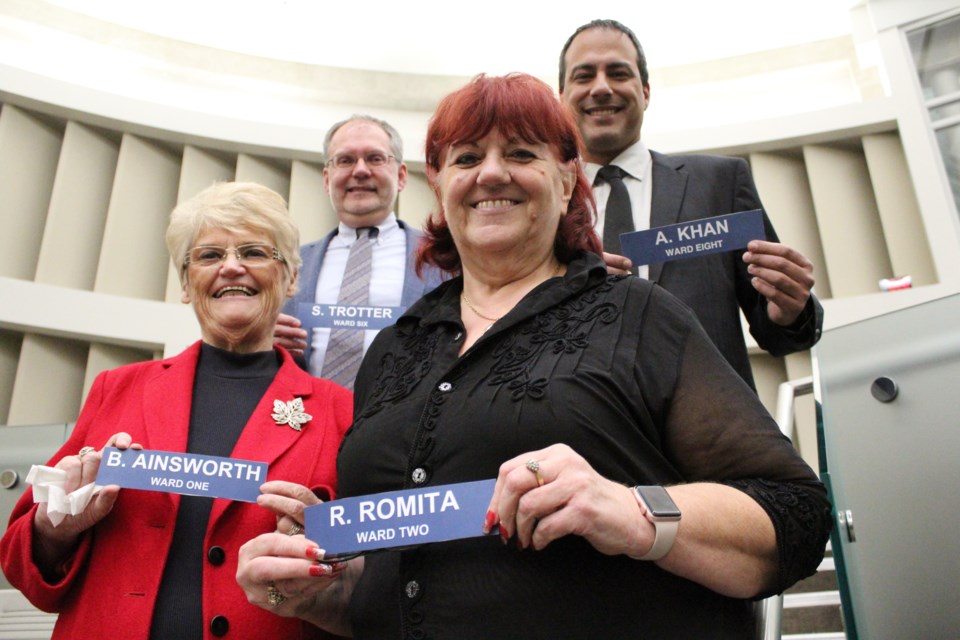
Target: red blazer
(111, 581)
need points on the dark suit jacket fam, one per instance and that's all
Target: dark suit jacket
(112, 579)
(717, 286)
(312, 256)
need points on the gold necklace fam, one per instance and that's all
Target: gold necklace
(474, 309)
(463, 294)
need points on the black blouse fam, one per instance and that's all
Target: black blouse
(620, 371)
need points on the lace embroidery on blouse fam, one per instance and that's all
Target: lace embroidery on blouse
(802, 525)
(515, 352)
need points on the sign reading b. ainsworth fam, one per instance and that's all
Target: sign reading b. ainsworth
(183, 473)
(399, 518)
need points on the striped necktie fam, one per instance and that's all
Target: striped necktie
(345, 348)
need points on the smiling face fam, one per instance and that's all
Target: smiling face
(237, 305)
(363, 196)
(503, 200)
(605, 93)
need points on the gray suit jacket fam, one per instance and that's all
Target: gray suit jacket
(312, 256)
(717, 286)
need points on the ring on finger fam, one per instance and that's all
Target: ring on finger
(84, 451)
(274, 597)
(295, 529)
(534, 466)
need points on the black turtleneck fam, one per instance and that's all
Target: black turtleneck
(227, 388)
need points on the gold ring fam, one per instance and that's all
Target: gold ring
(295, 529)
(274, 597)
(84, 451)
(534, 466)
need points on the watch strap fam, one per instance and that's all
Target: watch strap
(665, 532)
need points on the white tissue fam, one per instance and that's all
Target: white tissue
(48, 487)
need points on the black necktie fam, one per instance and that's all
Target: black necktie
(618, 217)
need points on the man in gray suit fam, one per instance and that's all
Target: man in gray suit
(605, 84)
(363, 176)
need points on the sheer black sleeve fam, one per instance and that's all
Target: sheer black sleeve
(714, 429)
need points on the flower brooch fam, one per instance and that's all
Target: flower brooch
(290, 413)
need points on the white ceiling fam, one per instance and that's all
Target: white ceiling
(452, 37)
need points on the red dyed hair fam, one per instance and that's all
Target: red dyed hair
(520, 106)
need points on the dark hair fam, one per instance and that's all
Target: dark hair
(520, 106)
(606, 24)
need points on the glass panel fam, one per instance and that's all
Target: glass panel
(949, 141)
(944, 111)
(936, 53)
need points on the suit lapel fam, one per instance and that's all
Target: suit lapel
(312, 255)
(669, 185)
(167, 403)
(412, 285)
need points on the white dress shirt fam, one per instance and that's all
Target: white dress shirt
(636, 162)
(386, 280)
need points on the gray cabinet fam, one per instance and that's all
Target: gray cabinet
(21, 447)
(887, 391)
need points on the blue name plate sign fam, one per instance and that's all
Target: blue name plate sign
(399, 518)
(183, 473)
(695, 238)
(346, 316)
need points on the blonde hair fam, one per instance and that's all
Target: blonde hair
(234, 207)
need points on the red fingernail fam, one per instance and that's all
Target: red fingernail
(490, 520)
(318, 570)
(504, 536)
(315, 553)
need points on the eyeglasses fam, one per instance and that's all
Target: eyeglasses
(249, 255)
(372, 160)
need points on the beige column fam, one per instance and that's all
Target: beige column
(133, 258)
(799, 366)
(854, 249)
(268, 172)
(10, 342)
(78, 208)
(309, 203)
(768, 373)
(785, 191)
(49, 380)
(899, 213)
(29, 148)
(416, 201)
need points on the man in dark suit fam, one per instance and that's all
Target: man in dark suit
(363, 176)
(605, 83)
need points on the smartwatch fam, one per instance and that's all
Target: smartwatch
(660, 509)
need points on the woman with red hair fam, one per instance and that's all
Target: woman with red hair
(642, 490)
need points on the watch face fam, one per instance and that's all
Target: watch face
(659, 503)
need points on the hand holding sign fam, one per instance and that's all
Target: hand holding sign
(58, 532)
(288, 334)
(287, 500)
(286, 576)
(573, 500)
(781, 275)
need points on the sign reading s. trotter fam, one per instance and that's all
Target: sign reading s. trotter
(693, 238)
(399, 518)
(346, 316)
